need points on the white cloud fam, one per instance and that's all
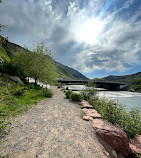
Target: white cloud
(72, 9)
(116, 47)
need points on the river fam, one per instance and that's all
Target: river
(130, 99)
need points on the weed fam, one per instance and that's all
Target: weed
(82, 113)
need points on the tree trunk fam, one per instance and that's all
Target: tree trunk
(35, 80)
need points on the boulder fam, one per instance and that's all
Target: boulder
(135, 144)
(85, 104)
(91, 113)
(113, 135)
(16, 79)
(87, 118)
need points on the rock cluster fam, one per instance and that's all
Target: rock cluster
(111, 134)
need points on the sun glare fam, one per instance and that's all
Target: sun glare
(89, 30)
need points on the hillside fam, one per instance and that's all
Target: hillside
(133, 80)
(125, 78)
(7, 49)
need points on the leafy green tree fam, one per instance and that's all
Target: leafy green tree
(1, 26)
(37, 64)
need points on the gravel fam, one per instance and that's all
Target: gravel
(52, 129)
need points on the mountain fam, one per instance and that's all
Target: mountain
(125, 78)
(67, 72)
(7, 49)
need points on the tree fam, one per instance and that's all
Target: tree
(37, 64)
(2, 26)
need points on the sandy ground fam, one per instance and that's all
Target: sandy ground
(52, 129)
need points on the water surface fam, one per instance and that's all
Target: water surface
(130, 99)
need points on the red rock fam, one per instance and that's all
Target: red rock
(135, 144)
(92, 113)
(87, 118)
(83, 102)
(88, 106)
(85, 109)
(113, 135)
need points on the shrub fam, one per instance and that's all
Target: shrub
(45, 92)
(117, 114)
(76, 97)
(30, 86)
(88, 93)
(37, 87)
(68, 93)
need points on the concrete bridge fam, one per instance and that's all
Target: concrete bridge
(113, 86)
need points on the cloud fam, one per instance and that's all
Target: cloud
(116, 48)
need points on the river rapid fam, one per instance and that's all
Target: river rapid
(130, 99)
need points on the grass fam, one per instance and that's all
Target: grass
(15, 99)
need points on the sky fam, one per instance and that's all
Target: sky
(96, 37)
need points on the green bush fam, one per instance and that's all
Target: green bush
(117, 114)
(76, 97)
(88, 93)
(45, 92)
(68, 93)
(37, 87)
(30, 86)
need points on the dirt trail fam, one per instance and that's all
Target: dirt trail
(52, 129)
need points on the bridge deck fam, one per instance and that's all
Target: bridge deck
(93, 81)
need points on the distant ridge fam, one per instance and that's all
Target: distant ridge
(124, 78)
(7, 49)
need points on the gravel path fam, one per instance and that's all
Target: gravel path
(52, 129)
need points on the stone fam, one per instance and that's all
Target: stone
(86, 105)
(135, 144)
(87, 118)
(113, 135)
(91, 113)
(16, 79)
(94, 115)
(83, 102)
